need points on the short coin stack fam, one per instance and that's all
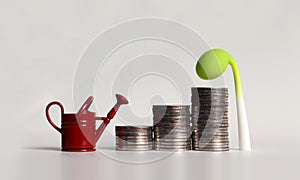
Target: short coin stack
(210, 119)
(133, 138)
(171, 125)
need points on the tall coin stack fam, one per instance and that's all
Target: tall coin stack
(171, 125)
(133, 138)
(210, 119)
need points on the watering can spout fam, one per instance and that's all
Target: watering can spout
(110, 115)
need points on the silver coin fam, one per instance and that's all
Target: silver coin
(133, 149)
(200, 138)
(172, 122)
(206, 97)
(210, 129)
(201, 141)
(199, 97)
(204, 126)
(120, 134)
(199, 108)
(209, 113)
(135, 137)
(209, 120)
(209, 109)
(208, 138)
(177, 132)
(170, 136)
(171, 116)
(212, 147)
(209, 123)
(202, 110)
(133, 142)
(205, 146)
(210, 103)
(159, 107)
(136, 144)
(184, 139)
(168, 127)
(198, 93)
(213, 113)
(133, 133)
(177, 144)
(209, 134)
(180, 124)
(205, 105)
(172, 147)
(171, 112)
(166, 130)
(141, 128)
(211, 150)
(209, 89)
(171, 142)
(211, 143)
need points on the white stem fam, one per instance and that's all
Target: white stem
(244, 135)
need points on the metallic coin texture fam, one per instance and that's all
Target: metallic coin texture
(209, 119)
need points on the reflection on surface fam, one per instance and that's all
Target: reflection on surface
(51, 164)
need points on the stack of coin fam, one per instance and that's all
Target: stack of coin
(210, 119)
(171, 126)
(133, 138)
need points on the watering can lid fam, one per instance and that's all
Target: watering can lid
(86, 105)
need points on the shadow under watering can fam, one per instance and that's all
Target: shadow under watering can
(79, 133)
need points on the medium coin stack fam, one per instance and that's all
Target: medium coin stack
(171, 126)
(133, 138)
(210, 119)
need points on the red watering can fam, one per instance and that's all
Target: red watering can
(78, 131)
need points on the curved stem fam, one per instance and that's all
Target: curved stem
(237, 79)
(243, 129)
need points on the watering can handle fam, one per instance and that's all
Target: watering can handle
(48, 116)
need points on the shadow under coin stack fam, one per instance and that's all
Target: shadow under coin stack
(133, 138)
(210, 119)
(171, 125)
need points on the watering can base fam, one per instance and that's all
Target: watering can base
(79, 149)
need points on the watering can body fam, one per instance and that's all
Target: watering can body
(78, 130)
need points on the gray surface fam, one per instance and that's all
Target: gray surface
(41, 43)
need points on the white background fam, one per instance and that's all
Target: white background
(41, 43)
